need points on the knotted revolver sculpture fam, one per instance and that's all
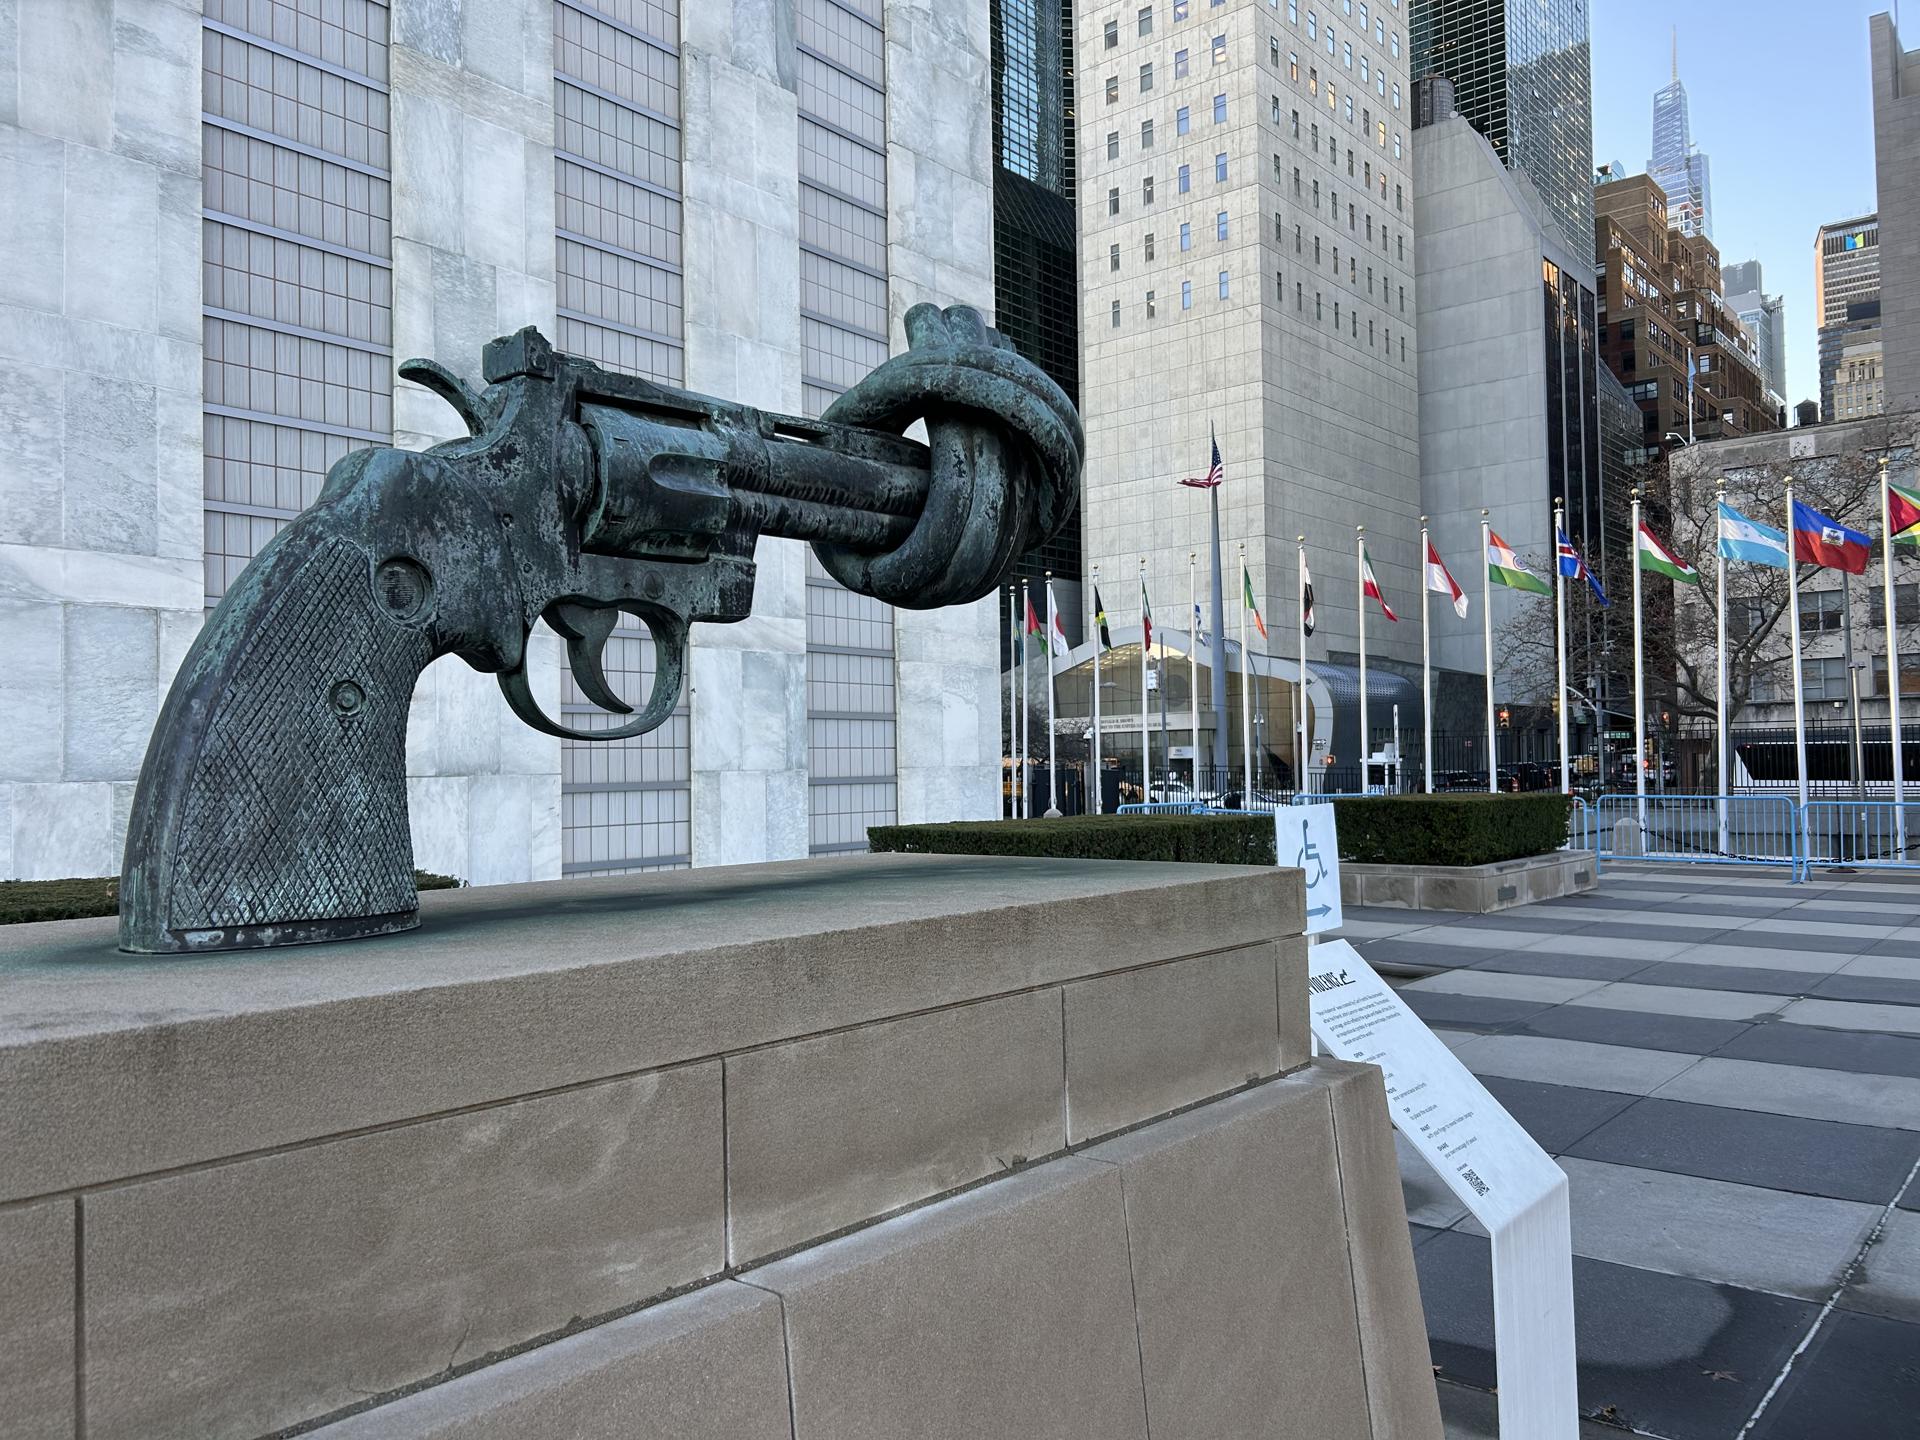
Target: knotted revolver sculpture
(272, 805)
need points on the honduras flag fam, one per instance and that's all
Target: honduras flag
(1749, 541)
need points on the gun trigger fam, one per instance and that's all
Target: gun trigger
(586, 629)
(469, 404)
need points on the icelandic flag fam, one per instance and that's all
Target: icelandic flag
(1819, 540)
(1574, 568)
(1749, 541)
(1200, 635)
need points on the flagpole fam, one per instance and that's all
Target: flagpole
(1360, 608)
(1301, 747)
(1026, 710)
(1219, 650)
(1720, 669)
(1560, 640)
(1486, 623)
(1246, 688)
(1793, 632)
(1639, 683)
(1146, 714)
(1426, 658)
(1094, 630)
(1053, 763)
(1893, 664)
(1013, 703)
(1193, 661)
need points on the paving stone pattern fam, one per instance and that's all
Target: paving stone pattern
(1727, 1065)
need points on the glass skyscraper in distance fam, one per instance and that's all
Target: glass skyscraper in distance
(1522, 76)
(1677, 164)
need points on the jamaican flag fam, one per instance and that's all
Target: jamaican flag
(1100, 620)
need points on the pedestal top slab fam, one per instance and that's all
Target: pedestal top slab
(109, 1060)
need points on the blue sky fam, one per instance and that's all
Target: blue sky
(1780, 99)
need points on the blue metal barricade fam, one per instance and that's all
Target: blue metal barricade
(1875, 833)
(1580, 826)
(1699, 830)
(1163, 807)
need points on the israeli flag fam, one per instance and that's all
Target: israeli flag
(1748, 541)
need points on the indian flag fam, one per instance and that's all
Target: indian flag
(1504, 568)
(1654, 556)
(1253, 606)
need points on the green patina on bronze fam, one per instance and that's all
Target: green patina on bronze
(272, 806)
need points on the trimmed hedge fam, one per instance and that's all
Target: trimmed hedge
(1389, 830)
(23, 901)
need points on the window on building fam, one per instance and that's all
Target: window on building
(1403, 299)
(1370, 226)
(1273, 51)
(1273, 109)
(1316, 249)
(1182, 120)
(1349, 109)
(1369, 279)
(1296, 179)
(1350, 220)
(1316, 194)
(1279, 230)
(1396, 144)
(1380, 135)
(1146, 77)
(1366, 71)
(1314, 131)
(1186, 236)
(1220, 226)
(1149, 247)
(1293, 11)
(1369, 334)
(1824, 678)
(1396, 94)
(1296, 124)
(1146, 134)
(1150, 305)
(1278, 173)
(1394, 47)
(1220, 166)
(1336, 314)
(1113, 34)
(1219, 49)
(1349, 160)
(1186, 294)
(1313, 80)
(1821, 610)
(1113, 89)
(1313, 26)
(1185, 179)
(1346, 54)
(1400, 246)
(1146, 190)
(1146, 20)
(1113, 201)
(1180, 65)
(1113, 144)
(1399, 197)
(1220, 109)
(1296, 240)
(1332, 49)
(1319, 306)
(1906, 611)
(1223, 284)
(1113, 257)
(1380, 85)
(1116, 315)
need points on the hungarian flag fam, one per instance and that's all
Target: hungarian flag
(1903, 510)
(1442, 583)
(1057, 637)
(1306, 596)
(1818, 540)
(1253, 607)
(1504, 568)
(1146, 616)
(1652, 555)
(1100, 620)
(1371, 586)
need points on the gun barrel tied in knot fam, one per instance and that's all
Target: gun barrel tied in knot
(272, 804)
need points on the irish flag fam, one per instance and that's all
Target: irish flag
(1253, 606)
(1654, 556)
(1441, 582)
(1371, 587)
(1504, 567)
(1903, 510)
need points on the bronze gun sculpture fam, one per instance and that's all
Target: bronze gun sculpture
(272, 804)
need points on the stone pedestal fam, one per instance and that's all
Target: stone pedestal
(878, 1146)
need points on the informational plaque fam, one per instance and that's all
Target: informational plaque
(1493, 1167)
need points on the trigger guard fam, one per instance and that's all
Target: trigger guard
(669, 645)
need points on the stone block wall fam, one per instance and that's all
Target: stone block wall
(483, 1158)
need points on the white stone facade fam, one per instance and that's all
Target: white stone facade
(1306, 367)
(102, 551)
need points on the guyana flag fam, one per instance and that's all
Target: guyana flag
(1903, 510)
(1253, 606)
(1654, 556)
(1100, 620)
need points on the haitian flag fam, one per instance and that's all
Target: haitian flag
(1818, 540)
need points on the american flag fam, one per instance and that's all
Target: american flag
(1216, 472)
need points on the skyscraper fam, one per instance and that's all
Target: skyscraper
(1896, 144)
(1764, 316)
(1846, 291)
(1678, 166)
(1521, 75)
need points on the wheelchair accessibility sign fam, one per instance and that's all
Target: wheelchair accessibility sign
(1305, 838)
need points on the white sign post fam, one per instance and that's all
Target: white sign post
(1492, 1166)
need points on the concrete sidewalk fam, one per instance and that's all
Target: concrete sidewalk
(1727, 1066)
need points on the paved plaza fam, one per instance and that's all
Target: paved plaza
(1727, 1065)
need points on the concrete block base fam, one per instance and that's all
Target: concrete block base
(1475, 889)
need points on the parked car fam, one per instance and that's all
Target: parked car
(1460, 780)
(1528, 775)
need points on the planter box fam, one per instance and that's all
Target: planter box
(1475, 889)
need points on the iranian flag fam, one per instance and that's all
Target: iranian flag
(1654, 556)
(1371, 587)
(1504, 568)
(1441, 582)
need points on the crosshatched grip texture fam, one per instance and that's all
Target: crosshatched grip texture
(272, 805)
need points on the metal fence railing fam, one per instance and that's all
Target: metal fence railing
(1874, 833)
(1699, 829)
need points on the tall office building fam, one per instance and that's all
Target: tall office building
(1765, 317)
(1247, 256)
(1846, 292)
(1896, 143)
(1036, 269)
(224, 268)
(1678, 166)
(1522, 77)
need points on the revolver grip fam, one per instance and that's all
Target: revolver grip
(272, 805)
